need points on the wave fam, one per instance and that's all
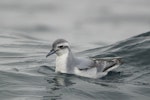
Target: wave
(134, 51)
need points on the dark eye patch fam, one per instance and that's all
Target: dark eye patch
(61, 46)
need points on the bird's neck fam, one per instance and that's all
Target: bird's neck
(64, 63)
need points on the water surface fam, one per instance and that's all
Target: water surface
(26, 74)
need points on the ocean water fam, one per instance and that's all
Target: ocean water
(25, 73)
(95, 28)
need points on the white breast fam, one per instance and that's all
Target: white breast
(61, 63)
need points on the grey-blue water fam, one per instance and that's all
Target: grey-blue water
(95, 28)
(25, 73)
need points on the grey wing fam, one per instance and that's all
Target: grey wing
(102, 64)
(85, 63)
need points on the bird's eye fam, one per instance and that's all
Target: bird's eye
(61, 46)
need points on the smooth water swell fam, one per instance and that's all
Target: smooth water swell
(26, 74)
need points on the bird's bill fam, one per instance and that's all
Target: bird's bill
(50, 53)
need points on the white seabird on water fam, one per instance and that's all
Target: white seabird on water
(67, 63)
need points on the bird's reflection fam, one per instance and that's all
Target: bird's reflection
(61, 80)
(55, 84)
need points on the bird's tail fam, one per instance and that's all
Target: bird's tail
(108, 64)
(112, 64)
